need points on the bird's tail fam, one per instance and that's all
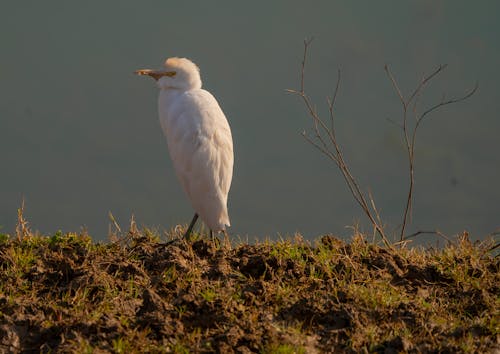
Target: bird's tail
(224, 220)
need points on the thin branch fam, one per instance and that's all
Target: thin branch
(451, 101)
(314, 116)
(432, 232)
(320, 148)
(395, 85)
(374, 207)
(390, 120)
(307, 42)
(331, 102)
(324, 133)
(410, 134)
(409, 147)
(323, 138)
(425, 80)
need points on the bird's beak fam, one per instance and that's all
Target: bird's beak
(155, 74)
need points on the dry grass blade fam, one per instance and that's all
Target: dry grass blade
(22, 228)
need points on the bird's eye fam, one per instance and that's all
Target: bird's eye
(170, 73)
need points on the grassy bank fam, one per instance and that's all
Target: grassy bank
(65, 293)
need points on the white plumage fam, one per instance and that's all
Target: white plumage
(198, 137)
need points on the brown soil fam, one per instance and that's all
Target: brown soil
(66, 294)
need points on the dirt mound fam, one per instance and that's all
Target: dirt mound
(66, 294)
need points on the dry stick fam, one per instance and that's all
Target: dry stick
(438, 233)
(410, 141)
(409, 138)
(412, 153)
(494, 247)
(407, 142)
(336, 156)
(374, 207)
(331, 102)
(409, 147)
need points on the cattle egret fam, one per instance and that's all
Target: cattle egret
(199, 140)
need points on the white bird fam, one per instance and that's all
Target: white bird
(199, 140)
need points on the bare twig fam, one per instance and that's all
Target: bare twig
(307, 42)
(395, 85)
(410, 134)
(444, 103)
(325, 141)
(425, 80)
(431, 232)
(331, 102)
(374, 207)
(323, 138)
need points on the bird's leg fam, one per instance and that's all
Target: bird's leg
(215, 240)
(190, 228)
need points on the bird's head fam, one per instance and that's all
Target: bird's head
(177, 73)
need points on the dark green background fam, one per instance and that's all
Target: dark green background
(79, 133)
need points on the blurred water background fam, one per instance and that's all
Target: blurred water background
(79, 133)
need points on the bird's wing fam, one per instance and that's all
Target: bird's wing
(201, 147)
